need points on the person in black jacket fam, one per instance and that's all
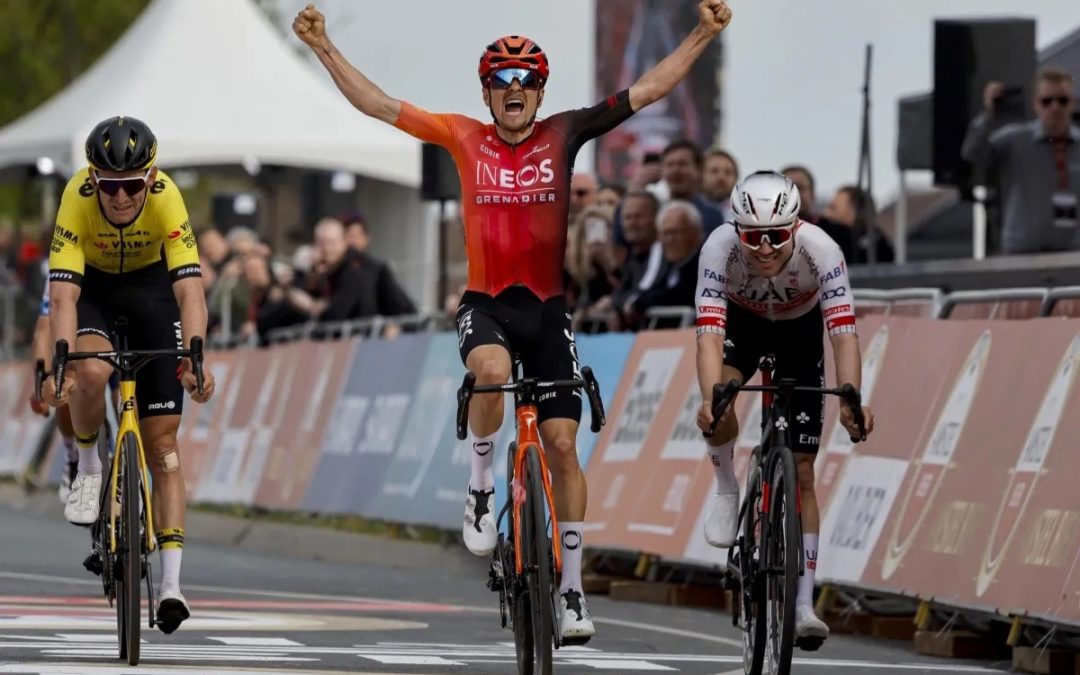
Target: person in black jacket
(349, 284)
(681, 234)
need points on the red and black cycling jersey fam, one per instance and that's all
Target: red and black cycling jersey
(516, 198)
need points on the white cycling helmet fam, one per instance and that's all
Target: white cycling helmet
(765, 199)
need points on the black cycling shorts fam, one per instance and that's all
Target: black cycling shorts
(146, 299)
(539, 332)
(798, 345)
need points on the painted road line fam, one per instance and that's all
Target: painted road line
(255, 641)
(620, 665)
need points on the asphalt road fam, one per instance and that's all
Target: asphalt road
(263, 605)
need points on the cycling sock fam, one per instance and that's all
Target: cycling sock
(724, 468)
(483, 455)
(69, 446)
(571, 542)
(89, 462)
(806, 581)
(171, 542)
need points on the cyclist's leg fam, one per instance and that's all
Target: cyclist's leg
(160, 396)
(743, 343)
(552, 355)
(484, 350)
(87, 409)
(804, 359)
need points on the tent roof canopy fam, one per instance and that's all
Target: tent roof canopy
(223, 91)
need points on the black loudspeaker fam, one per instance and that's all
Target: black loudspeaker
(235, 209)
(967, 55)
(914, 142)
(438, 174)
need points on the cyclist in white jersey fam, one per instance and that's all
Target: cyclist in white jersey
(773, 284)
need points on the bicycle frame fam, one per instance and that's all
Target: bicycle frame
(129, 421)
(528, 433)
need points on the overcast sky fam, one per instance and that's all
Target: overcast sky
(792, 80)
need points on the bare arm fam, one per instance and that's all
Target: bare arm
(63, 319)
(310, 26)
(848, 359)
(710, 363)
(192, 301)
(664, 76)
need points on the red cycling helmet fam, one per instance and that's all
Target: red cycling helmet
(513, 51)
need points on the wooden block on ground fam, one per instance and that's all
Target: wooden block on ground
(597, 584)
(668, 594)
(893, 627)
(955, 645)
(852, 623)
(1045, 662)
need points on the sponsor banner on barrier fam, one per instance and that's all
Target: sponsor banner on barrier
(225, 459)
(426, 442)
(295, 441)
(1030, 563)
(201, 424)
(21, 428)
(647, 402)
(836, 447)
(367, 422)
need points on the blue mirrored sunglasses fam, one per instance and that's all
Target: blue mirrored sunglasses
(502, 79)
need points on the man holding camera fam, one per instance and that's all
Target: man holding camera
(1037, 164)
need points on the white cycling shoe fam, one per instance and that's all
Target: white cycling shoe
(810, 631)
(172, 610)
(83, 503)
(722, 524)
(67, 477)
(575, 621)
(479, 530)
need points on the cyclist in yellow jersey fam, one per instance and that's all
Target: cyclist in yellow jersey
(123, 247)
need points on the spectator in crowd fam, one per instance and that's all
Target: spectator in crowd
(610, 196)
(721, 174)
(846, 220)
(1037, 165)
(270, 305)
(646, 173)
(242, 240)
(644, 255)
(214, 249)
(804, 180)
(681, 233)
(583, 189)
(681, 170)
(351, 284)
(590, 259)
(356, 232)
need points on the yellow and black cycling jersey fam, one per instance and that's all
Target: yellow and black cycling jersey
(84, 238)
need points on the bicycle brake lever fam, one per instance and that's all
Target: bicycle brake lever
(39, 378)
(59, 365)
(197, 362)
(596, 404)
(463, 396)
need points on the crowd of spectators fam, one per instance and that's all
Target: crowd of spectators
(634, 247)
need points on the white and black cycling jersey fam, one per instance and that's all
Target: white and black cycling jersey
(815, 273)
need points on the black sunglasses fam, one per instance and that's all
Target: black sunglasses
(1062, 101)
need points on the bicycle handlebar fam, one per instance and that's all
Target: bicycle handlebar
(62, 356)
(530, 386)
(723, 395)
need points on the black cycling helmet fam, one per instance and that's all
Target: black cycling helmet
(121, 144)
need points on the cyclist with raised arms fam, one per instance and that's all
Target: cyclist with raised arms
(774, 284)
(515, 175)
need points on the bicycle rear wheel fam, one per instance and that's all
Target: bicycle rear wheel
(538, 563)
(520, 608)
(131, 549)
(752, 588)
(782, 554)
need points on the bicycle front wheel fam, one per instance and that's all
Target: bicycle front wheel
(752, 588)
(520, 607)
(538, 563)
(782, 555)
(131, 547)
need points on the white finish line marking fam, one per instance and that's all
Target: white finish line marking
(252, 641)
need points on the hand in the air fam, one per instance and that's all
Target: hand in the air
(714, 16)
(310, 26)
